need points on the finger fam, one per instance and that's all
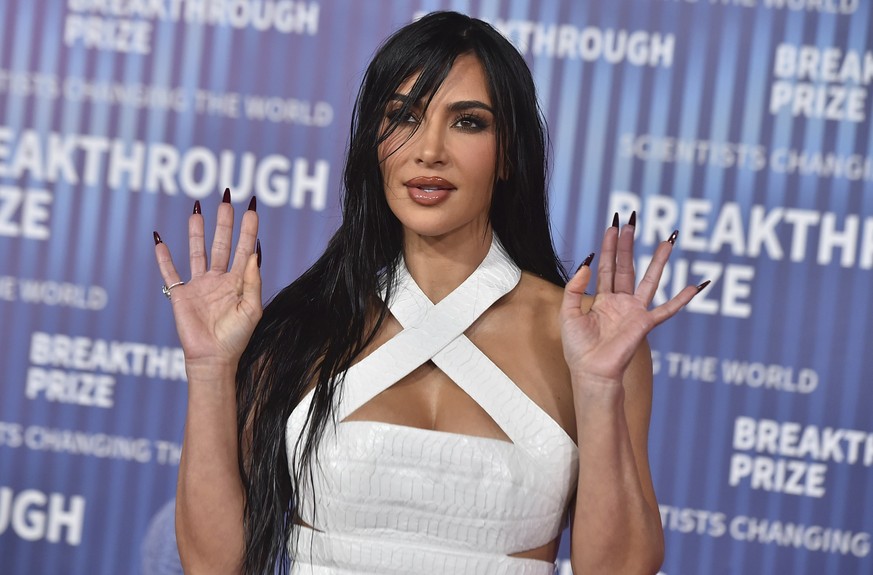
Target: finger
(574, 291)
(652, 278)
(221, 242)
(606, 266)
(625, 279)
(196, 242)
(245, 245)
(671, 307)
(165, 262)
(252, 283)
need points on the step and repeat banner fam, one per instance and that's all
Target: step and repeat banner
(746, 124)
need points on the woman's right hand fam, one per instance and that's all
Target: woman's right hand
(217, 309)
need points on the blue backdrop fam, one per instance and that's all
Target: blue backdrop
(744, 123)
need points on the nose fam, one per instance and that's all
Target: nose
(430, 144)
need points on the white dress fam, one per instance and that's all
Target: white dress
(391, 499)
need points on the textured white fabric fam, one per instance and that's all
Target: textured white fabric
(387, 498)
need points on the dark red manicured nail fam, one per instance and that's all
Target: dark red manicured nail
(615, 220)
(703, 285)
(258, 249)
(633, 219)
(226, 197)
(196, 206)
(253, 204)
(673, 236)
(158, 239)
(586, 262)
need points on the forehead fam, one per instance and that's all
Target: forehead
(465, 81)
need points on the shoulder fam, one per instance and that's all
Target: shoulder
(537, 304)
(541, 299)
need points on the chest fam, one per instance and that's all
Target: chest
(514, 341)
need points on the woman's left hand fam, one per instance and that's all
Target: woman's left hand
(600, 342)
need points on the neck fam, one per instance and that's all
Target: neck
(440, 264)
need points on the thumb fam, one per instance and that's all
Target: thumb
(575, 288)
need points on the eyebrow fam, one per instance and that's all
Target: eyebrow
(458, 106)
(469, 105)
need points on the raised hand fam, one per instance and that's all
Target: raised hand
(216, 310)
(599, 342)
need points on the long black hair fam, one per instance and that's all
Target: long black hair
(313, 330)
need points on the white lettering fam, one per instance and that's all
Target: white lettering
(155, 167)
(34, 515)
(70, 387)
(25, 213)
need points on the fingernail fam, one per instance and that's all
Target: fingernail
(673, 236)
(258, 249)
(253, 204)
(703, 285)
(586, 262)
(158, 239)
(196, 206)
(226, 197)
(633, 219)
(615, 220)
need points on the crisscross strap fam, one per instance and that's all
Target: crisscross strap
(436, 332)
(429, 329)
(523, 421)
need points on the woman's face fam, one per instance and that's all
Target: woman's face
(439, 180)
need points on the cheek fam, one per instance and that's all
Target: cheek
(390, 185)
(481, 160)
(387, 169)
(393, 144)
(390, 156)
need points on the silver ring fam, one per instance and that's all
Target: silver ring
(166, 288)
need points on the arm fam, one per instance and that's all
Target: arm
(215, 313)
(616, 526)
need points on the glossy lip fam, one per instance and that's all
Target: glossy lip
(428, 190)
(429, 182)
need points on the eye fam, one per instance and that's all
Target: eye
(471, 123)
(398, 116)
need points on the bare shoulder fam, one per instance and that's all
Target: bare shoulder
(540, 301)
(544, 298)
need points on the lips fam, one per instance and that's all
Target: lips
(428, 190)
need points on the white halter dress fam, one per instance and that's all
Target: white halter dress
(391, 499)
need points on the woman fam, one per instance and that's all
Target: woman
(414, 401)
